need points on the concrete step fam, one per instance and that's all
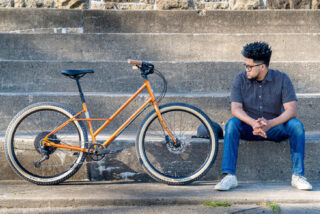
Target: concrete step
(103, 105)
(99, 21)
(258, 161)
(39, 21)
(117, 76)
(36, 44)
(133, 197)
(154, 46)
(204, 21)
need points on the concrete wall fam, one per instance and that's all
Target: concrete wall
(198, 53)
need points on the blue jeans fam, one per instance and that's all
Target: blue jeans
(236, 129)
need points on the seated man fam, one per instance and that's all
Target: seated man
(263, 103)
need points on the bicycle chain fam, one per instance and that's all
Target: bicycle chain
(87, 160)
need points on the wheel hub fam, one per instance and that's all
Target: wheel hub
(178, 147)
(43, 149)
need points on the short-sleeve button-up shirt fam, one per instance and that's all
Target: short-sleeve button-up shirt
(263, 99)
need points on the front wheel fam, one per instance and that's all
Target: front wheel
(187, 160)
(41, 164)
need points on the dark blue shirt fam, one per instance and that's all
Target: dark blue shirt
(263, 99)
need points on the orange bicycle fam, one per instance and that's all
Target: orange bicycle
(46, 143)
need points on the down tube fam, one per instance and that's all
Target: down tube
(114, 135)
(120, 109)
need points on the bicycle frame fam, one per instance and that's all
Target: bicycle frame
(93, 134)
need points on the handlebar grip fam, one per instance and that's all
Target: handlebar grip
(135, 62)
(135, 68)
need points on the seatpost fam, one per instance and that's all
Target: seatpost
(85, 109)
(80, 91)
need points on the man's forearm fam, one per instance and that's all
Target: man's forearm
(238, 112)
(243, 116)
(284, 117)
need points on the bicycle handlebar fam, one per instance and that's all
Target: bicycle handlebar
(146, 68)
(135, 62)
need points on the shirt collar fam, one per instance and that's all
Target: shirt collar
(269, 76)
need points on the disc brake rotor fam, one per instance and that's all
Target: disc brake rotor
(176, 148)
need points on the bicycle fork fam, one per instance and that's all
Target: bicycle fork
(156, 107)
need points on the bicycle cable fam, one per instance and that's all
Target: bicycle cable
(164, 89)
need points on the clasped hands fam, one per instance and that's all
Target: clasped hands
(260, 127)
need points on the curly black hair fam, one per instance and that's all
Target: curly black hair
(258, 51)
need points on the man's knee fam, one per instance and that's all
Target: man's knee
(233, 125)
(295, 127)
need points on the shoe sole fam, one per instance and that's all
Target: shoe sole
(306, 189)
(226, 189)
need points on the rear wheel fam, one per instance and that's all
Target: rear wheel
(180, 163)
(43, 164)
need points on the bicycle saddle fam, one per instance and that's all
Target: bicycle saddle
(76, 74)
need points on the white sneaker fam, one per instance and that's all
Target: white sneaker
(228, 182)
(300, 182)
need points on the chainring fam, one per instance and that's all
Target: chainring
(94, 152)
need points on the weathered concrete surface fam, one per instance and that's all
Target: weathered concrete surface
(79, 194)
(99, 21)
(39, 20)
(257, 161)
(154, 47)
(103, 41)
(172, 209)
(210, 22)
(33, 76)
(216, 106)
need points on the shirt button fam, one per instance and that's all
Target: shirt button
(260, 86)
(259, 97)
(260, 107)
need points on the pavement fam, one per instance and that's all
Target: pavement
(21, 194)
